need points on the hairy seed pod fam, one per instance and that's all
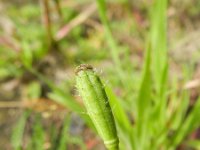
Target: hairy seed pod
(96, 102)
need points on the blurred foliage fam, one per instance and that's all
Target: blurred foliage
(118, 37)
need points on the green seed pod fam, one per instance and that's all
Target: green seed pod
(96, 102)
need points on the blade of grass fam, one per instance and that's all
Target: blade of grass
(18, 131)
(118, 111)
(53, 136)
(111, 42)
(121, 118)
(64, 135)
(158, 38)
(190, 124)
(144, 104)
(177, 117)
(114, 47)
(38, 137)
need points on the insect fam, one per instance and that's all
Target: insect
(97, 105)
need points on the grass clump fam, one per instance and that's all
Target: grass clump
(140, 108)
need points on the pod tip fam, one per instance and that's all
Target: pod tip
(83, 67)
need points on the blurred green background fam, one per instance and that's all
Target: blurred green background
(42, 42)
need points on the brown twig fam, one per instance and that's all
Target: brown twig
(6, 41)
(46, 19)
(192, 84)
(11, 104)
(39, 105)
(75, 22)
(58, 8)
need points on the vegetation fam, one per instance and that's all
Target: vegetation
(155, 105)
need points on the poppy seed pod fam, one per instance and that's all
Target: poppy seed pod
(97, 105)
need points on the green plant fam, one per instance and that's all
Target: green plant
(97, 105)
(18, 131)
(150, 110)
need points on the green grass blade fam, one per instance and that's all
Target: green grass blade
(158, 38)
(38, 137)
(121, 118)
(143, 100)
(118, 111)
(144, 104)
(65, 100)
(113, 45)
(64, 135)
(159, 67)
(190, 124)
(109, 36)
(18, 131)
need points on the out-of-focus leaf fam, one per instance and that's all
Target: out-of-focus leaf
(144, 105)
(38, 137)
(34, 90)
(26, 55)
(18, 131)
(122, 121)
(191, 123)
(64, 135)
